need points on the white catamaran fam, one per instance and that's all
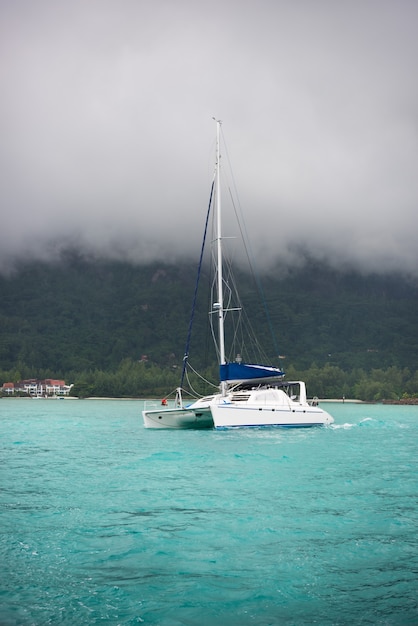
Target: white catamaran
(249, 395)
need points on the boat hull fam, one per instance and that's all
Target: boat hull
(233, 416)
(194, 419)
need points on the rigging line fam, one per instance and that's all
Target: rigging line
(205, 380)
(172, 393)
(192, 391)
(244, 316)
(255, 275)
(189, 332)
(247, 247)
(237, 343)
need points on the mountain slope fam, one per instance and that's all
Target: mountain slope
(80, 314)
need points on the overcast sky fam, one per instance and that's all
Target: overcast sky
(107, 137)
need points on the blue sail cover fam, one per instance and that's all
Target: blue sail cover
(245, 371)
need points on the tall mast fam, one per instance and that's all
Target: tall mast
(219, 304)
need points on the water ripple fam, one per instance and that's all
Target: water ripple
(104, 522)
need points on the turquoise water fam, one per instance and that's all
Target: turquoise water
(104, 522)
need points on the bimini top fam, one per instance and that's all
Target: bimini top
(230, 372)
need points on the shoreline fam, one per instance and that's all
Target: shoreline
(401, 402)
(342, 400)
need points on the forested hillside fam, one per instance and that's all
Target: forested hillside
(81, 316)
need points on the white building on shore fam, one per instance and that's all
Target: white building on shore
(34, 387)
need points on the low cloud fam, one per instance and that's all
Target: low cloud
(108, 138)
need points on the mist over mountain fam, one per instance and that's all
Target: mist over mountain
(108, 138)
